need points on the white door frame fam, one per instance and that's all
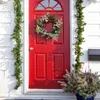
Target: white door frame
(26, 53)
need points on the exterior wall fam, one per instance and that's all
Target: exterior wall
(6, 58)
(91, 34)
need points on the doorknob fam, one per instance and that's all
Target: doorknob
(31, 48)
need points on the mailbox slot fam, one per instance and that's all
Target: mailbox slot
(94, 54)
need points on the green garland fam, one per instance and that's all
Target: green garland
(79, 37)
(16, 36)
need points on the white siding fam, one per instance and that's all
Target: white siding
(92, 34)
(6, 61)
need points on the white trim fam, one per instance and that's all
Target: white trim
(26, 53)
(26, 46)
(46, 91)
(71, 36)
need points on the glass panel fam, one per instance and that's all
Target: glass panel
(45, 3)
(40, 7)
(52, 3)
(58, 7)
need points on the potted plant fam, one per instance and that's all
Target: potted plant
(84, 85)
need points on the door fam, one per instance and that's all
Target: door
(48, 59)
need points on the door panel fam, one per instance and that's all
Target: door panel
(48, 59)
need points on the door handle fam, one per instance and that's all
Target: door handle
(31, 48)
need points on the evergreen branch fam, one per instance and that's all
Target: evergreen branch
(16, 36)
(79, 37)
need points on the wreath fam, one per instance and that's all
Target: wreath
(56, 28)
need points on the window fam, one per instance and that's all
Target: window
(49, 5)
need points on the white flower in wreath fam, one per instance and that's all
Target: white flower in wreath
(54, 27)
(45, 33)
(3, 1)
(55, 31)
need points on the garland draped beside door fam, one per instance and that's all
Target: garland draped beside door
(16, 37)
(79, 34)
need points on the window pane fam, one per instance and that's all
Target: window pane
(45, 3)
(40, 7)
(58, 7)
(52, 3)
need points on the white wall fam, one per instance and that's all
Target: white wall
(91, 34)
(6, 57)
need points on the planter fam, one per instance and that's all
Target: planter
(79, 97)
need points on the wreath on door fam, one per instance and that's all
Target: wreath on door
(56, 26)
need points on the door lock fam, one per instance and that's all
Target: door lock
(31, 48)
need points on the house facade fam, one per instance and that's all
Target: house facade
(45, 61)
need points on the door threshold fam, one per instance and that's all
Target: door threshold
(45, 91)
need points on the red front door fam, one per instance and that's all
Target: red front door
(48, 59)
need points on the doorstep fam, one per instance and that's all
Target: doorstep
(42, 97)
(66, 96)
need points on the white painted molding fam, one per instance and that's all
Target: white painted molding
(71, 34)
(26, 45)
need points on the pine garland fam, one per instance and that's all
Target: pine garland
(16, 37)
(79, 37)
